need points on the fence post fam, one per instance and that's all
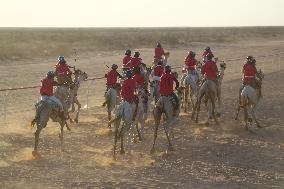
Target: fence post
(88, 93)
(87, 96)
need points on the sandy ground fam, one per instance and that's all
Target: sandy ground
(218, 156)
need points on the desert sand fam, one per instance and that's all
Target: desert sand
(218, 156)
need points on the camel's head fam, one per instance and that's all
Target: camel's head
(223, 65)
(167, 54)
(175, 74)
(81, 74)
(260, 75)
(198, 64)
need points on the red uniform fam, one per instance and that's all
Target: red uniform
(46, 87)
(127, 89)
(167, 84)
(139, 79)
(111, 77)
(61, 69)
(158, 70)
(159, 52)
(135, 62)
(126, 59)
(207, 53)
(209, 69)
(249, 71)
(190, 62)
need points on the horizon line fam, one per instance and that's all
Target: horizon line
(137, 27)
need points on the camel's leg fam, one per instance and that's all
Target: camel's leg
(38, 130)
(157, 116)
(115, 141)
(194, 109)
(246, 116)
(186, 99)
(61, 135)
(138, 132)
(166, 128)
(109, 115)
(218, 110)
(122, 132)
(254, 117)
(213, 108)
(122, 151)
(238, 111)
(73, 107)
(78, 111)
(198, 107)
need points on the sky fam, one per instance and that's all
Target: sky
(141, 13)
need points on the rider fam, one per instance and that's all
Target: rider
(209, 70)
(190, 62)
(46, 91)
(167, 85)
(111, 77)
(158, 71)
(128, 88)
(249, 72)
(207, 52)
(62, 71)
(136, 61)
(127, 58)
(138, 78)
(159, 52)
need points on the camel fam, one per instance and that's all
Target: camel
(46, 110)
(72, 98)
(250, 98)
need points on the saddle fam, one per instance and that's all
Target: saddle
(253, 83)
(214, 80)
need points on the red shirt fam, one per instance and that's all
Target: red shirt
(167, 84)
(139, 79)
(190, 62)
(206, 53)
(249, 71)
(159, 52)
(127, 89)
(111, 77)
(209, 69)
(61, 69)
(126, 59)
(158, 70)
(46, 87)
(135, 62)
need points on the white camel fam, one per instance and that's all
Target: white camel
(190, 89)
(111, 99)
(46, 110)
(250, 98)
(165, 106)
(124, 112)
(73, 96)
(219, 91)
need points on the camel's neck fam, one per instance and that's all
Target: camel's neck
(221, 74)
